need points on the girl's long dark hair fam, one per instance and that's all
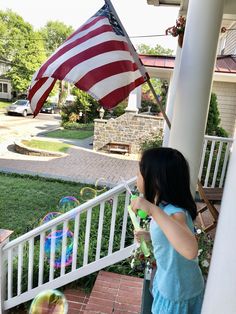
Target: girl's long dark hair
(166, 178)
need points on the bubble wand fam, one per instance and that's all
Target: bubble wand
(135, 222)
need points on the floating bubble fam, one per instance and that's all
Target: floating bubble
(49, 301)
(58, 236)
(101, 183)
(87, 193)
(49, 217)
(68, 202)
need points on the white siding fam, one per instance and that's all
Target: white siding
(226, 97)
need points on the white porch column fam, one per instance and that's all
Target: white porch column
(134, 102)
(171, 96)
(195, 79)
(221, 284)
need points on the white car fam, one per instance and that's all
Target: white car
(21, 106)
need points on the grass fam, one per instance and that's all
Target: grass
(4, 104)
(70, 134)
(50, 146)
(25, 200)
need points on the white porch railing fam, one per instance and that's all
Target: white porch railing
(214, 161)
(30, 268)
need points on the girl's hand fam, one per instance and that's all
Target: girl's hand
(142, 234)
(141, 203)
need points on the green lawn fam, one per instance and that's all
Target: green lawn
(46, 145)
(25, 200)
(4, 104)
(70, 134)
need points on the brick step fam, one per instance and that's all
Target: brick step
(115, 294)
(77, 300)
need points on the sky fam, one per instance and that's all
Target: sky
(138, 18)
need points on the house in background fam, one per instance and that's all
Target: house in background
(5, 83)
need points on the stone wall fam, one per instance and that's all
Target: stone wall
(129, 128)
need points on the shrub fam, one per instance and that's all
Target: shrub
(213, 119)
(155, 141)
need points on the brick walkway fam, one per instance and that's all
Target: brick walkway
(81, 165)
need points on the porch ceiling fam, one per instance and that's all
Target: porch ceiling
(229, 6)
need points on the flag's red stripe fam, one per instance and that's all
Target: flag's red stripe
(119, 94)
(107, 46)
(94, 33)
(43, 98)
(102, 72)
(36, 87)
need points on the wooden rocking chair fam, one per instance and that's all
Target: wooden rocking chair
(207, 197)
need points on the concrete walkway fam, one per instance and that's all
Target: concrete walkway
(81, 165)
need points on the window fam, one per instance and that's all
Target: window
(3, 88)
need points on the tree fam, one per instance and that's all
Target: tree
(157, 50)
(54, 34)
(22, 46)
(213, 120)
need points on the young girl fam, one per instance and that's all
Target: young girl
(163, 178)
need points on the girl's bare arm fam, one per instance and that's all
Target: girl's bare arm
(174, 228)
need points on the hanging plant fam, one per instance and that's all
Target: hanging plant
(178, 30)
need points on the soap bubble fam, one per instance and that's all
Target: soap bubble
(49, 217)
(68, 202)
(58, 236)
(49, 301)
(87, 193)
(101, 183)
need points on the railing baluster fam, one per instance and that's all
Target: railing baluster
(125, 217)
(41, 259)
(64, 247)
(9, 274)
(209, 164)
(75, 243)
(87, 236)
(217, 165)
(113, 222)
(100, 227)
(19, 269)
(30, 263)
(52, 253)
(203, 159)
(225, 164)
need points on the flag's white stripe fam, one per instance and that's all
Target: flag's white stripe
(40, 92)
(84, 67)
(111, 83)
(102, 38)
(99, 23)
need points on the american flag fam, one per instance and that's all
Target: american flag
(98, 58)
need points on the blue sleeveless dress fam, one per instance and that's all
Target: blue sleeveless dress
(178, 285)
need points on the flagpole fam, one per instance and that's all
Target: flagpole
(138, 62)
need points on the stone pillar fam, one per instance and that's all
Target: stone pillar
(195, 80)
(171, 96)
(134, 102)
(221, 284)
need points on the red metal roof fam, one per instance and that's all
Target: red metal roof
(224, 64)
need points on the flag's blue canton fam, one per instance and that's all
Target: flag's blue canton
(104, 11)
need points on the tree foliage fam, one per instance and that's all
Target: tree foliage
(213, 120)
(157, 50)
(22, 46)
(54, 34)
